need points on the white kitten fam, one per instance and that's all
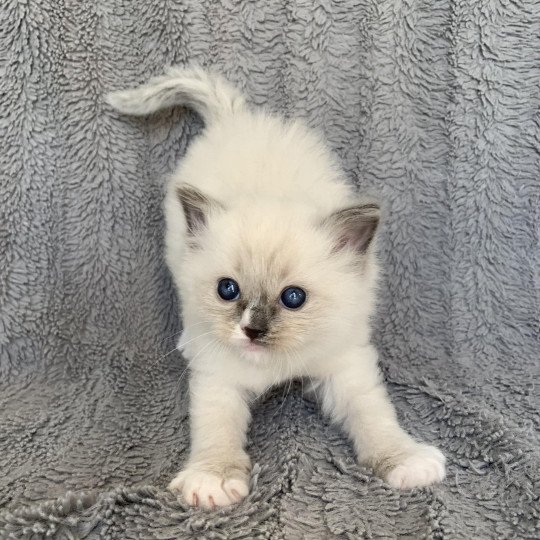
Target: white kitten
(273, 258)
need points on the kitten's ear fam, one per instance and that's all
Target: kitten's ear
(354, 227)
(196, 207)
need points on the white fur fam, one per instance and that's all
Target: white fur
(274, 185)
(211, 95)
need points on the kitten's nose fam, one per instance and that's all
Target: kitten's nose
(252, 333)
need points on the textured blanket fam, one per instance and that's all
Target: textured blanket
(432, 106)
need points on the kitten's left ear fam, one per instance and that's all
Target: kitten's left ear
(354, 227)
(197, 206)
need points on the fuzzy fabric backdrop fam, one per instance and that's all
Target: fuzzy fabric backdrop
(432, 106)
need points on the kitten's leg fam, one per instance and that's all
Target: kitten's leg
(217, 472)
(354, 395)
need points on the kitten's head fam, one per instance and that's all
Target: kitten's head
(272, 280)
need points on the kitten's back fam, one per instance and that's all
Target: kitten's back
(255, 154)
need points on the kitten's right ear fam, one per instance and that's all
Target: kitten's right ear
(196, 207)
(354, 227)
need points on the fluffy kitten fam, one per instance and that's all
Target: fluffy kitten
(273, 258)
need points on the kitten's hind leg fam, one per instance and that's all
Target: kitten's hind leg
(354, 395)
(217, 472)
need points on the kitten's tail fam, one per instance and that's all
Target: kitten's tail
(207, 93)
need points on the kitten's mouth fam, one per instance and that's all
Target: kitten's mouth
(254, 346)
(251, 346)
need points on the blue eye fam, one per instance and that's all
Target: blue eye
(228, 289)
(293, 297)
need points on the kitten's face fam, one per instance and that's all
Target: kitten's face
(269, 284)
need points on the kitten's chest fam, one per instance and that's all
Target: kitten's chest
(260, 379)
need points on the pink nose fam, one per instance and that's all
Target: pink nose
(252, 333)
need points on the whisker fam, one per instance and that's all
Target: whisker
(152, 364)
(313, 384)
(186, 369)
(211, 342)
(288, 381)
(196, 337)
(183, 329)
(170, 337)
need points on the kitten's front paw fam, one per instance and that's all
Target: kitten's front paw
(422, 466)
(209, 490)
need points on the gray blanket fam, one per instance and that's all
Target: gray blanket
(432, 106)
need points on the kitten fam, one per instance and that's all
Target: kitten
(273, 258)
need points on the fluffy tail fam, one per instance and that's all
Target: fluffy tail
(205, 92)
